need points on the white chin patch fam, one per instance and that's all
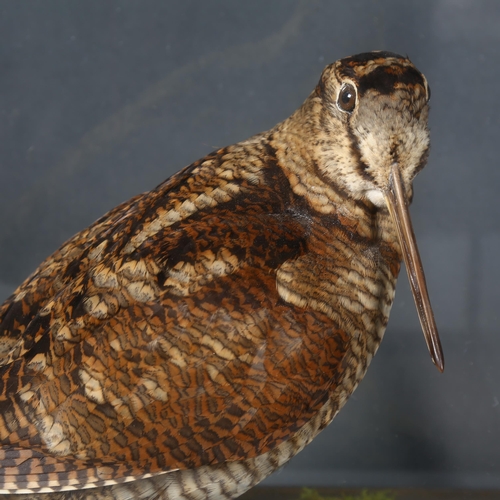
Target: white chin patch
(376, 197)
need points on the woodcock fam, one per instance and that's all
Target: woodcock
(198, 336)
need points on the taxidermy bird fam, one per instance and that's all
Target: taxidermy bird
(196, 337)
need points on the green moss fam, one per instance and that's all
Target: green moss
(310, 494)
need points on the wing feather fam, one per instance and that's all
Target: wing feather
(156, 339)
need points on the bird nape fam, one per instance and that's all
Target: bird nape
(196, 337)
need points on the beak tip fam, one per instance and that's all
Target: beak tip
(438, 360)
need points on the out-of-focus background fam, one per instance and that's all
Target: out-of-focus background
(102, 100)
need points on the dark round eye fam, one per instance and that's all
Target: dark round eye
(347, 98)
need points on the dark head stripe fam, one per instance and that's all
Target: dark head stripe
(385, 78)
(362, 59)
(381, 77)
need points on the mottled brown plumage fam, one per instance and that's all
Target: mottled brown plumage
(196, 337)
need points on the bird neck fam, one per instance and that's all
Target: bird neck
(299, 143)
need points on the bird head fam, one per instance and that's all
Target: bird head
(375, 109)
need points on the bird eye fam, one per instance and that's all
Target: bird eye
(347, 98)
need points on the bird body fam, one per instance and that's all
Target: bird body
(196, 337)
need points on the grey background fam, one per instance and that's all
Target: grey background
(102, 100)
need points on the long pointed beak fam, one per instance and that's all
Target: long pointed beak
(398, 208)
